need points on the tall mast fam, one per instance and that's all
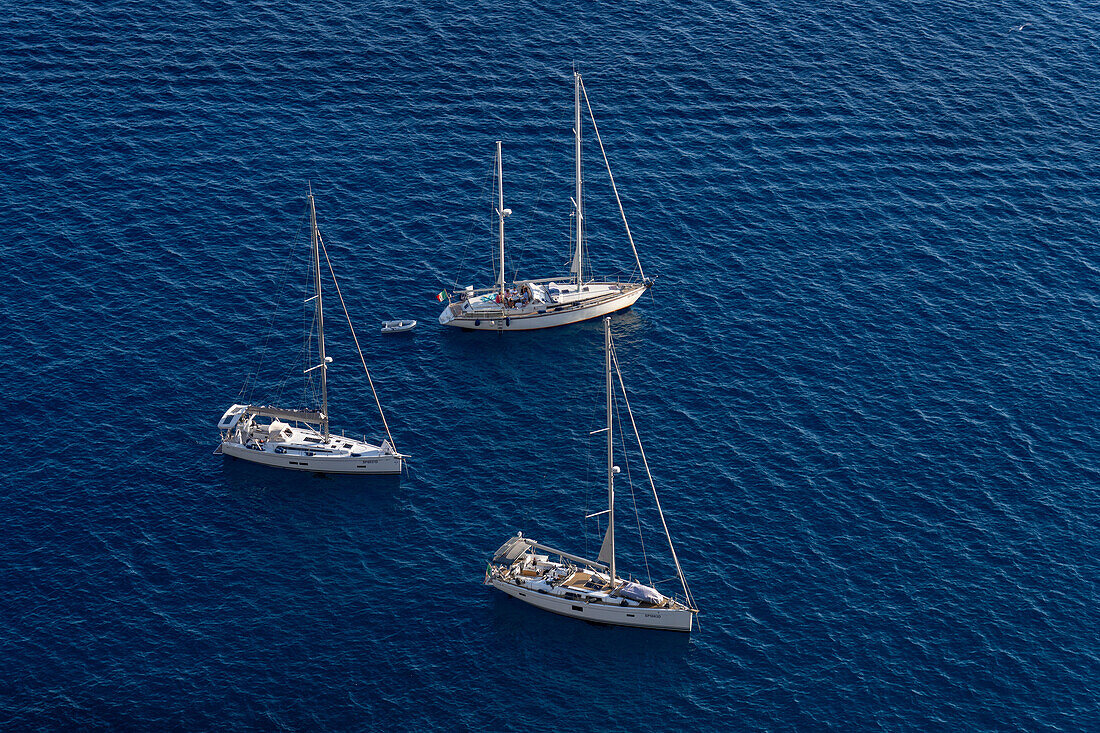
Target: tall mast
(501, 213)
(319, 311)
(578, 202)
(610, 457)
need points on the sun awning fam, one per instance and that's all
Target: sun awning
(516, 546)
(278, 413)
(567, 556)
(512, 549)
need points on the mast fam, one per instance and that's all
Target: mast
(319, 311)
(501, 213)
(578, 202)
(610, 457)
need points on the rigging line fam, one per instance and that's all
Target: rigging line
(310, 389)
(254, 374)
(535, 208)
(309, 393)
(498, 186)
(633, 498)
(645, 462)
(356, 339)
(614, 188)
(518, 238)
(585, 264)
(492, 212)
(588, 498)
(472, 234)
(591, 394)
(303, 357)
(309, 386)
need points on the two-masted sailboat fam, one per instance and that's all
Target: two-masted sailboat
(592, 590)
(541, 303)
(302, 440)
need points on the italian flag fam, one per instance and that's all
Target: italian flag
(442, 296)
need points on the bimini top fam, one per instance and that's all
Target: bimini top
(233, 415)
(518, 545)
(513, 548)
(276, 412)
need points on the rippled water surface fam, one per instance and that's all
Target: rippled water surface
(866, 377)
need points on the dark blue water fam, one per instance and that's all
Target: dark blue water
(867, 377)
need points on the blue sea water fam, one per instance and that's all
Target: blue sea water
(866, 378)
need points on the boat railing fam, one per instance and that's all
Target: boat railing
(563, 280)
(568, 280)
(458, 311)
(678, 598)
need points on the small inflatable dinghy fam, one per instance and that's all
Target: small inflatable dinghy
(397, 326)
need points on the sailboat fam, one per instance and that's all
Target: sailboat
(554, 301)
(572, 585)
(302, 440)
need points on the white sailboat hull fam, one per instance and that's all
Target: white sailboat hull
(583, 588)
(509, 320)
(601, 613)
(258, 433)
(362, 465)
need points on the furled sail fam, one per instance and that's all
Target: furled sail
(607, 548)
